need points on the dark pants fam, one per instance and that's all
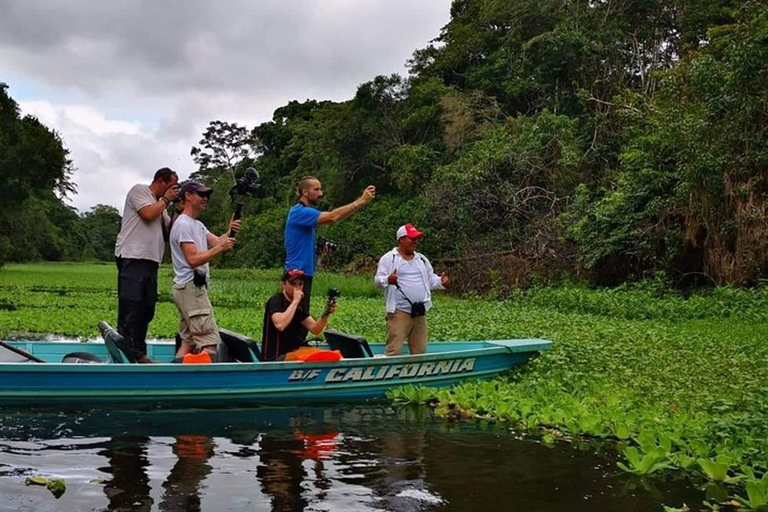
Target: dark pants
(305, 300)
(137, 295)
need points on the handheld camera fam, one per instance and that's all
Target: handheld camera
(324, 245)
(249, 184)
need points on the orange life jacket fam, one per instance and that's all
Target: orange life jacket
(202, 358)
(313, 355)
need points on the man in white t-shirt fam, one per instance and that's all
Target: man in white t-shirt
(407, 279)
(192, 248)
(138, 252)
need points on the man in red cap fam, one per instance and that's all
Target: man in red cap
(408, 279)
(286, 320)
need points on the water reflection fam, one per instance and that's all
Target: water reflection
(296, 459)
(182, 488)
(128, 489)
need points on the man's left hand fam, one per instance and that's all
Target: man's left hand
(234, 225)
(444, 280)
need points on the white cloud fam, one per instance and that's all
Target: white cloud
(110, 155)
(131, 85)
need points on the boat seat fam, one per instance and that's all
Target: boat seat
(117, 348)
(82, 357)
(222, 354)
(351, 347)
(241, 348)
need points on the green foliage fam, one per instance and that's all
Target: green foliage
(101, 225)
(677, 383)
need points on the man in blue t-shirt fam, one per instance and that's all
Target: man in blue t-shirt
(302, 223)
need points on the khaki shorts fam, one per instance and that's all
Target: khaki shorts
(401, 326)
(197, 326)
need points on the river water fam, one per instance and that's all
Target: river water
(355, 458)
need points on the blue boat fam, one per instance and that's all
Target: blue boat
(40, 373)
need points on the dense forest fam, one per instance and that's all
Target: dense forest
(536, 140)
(533, 140)
(35, 172)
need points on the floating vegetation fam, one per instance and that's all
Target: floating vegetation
(676, 384)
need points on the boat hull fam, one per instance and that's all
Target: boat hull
(228, 384)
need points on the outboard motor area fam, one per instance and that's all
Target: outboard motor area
(115, 343)
(82, 358)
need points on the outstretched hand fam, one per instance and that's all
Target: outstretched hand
(444, 280)
(368, 194)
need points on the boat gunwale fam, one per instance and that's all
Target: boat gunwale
(489, 348)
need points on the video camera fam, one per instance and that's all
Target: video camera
(325, 245)
(249, 184)
(333, 294)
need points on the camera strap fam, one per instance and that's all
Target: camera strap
(404, 295)
(397, 285)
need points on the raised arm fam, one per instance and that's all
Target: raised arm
(342, 212)
(150, 212)
(283, 319)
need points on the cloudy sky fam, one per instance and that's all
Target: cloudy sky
(131, 85)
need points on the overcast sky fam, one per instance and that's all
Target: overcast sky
(131, 85)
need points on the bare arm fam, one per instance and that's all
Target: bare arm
(195, 258)
(234, 226)
(317, 326)
(151, 212)
(342, 212)
(283, 320)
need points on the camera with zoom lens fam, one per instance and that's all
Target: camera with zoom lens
(249, 184)
(325, 245)
(333, 294)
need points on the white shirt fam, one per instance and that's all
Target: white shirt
(389, 262)
(187, 229)
(139, 239)
(411, 281)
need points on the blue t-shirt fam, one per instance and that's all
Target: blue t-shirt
(300, 238)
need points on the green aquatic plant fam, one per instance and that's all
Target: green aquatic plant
(645, 463)
(678, 379)
(717, 469)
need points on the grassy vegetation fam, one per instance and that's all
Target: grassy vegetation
(679, 382)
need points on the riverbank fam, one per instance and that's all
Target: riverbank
(679, 382)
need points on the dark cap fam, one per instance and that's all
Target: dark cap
(293, 273)
(195, 186)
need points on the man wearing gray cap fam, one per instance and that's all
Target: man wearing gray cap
(192, 248)
(407, 279)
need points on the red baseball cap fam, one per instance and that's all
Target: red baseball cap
(293, 273)
(408, 230)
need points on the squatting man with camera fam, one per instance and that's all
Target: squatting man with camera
(407, 278)
(138, 252)
(286, 320)
(192, 248)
